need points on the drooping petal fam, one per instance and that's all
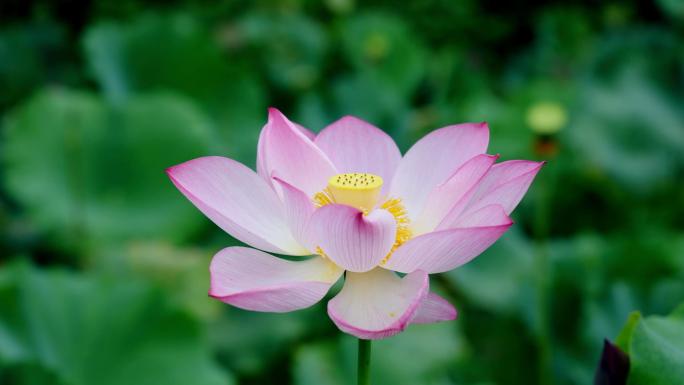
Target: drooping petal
(450, 193)
(434, 309)
(298, 210)
(433, 159)
(354, 241)
(253, 280)
(238, 201)
(285, 150)
(444, 250)
(354, 145)
(505, 184)
(377, 304)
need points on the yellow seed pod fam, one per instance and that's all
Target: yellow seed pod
(546, 118)
(360, 190)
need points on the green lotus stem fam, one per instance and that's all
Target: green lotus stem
(363, 371)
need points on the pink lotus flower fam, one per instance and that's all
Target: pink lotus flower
(349, 198)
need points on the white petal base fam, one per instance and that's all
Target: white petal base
(378, 304)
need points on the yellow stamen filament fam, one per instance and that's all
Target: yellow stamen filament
(362, 191)
(322, 253)
(397, 209)
(323, 198)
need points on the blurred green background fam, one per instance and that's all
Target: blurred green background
(103, 264)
